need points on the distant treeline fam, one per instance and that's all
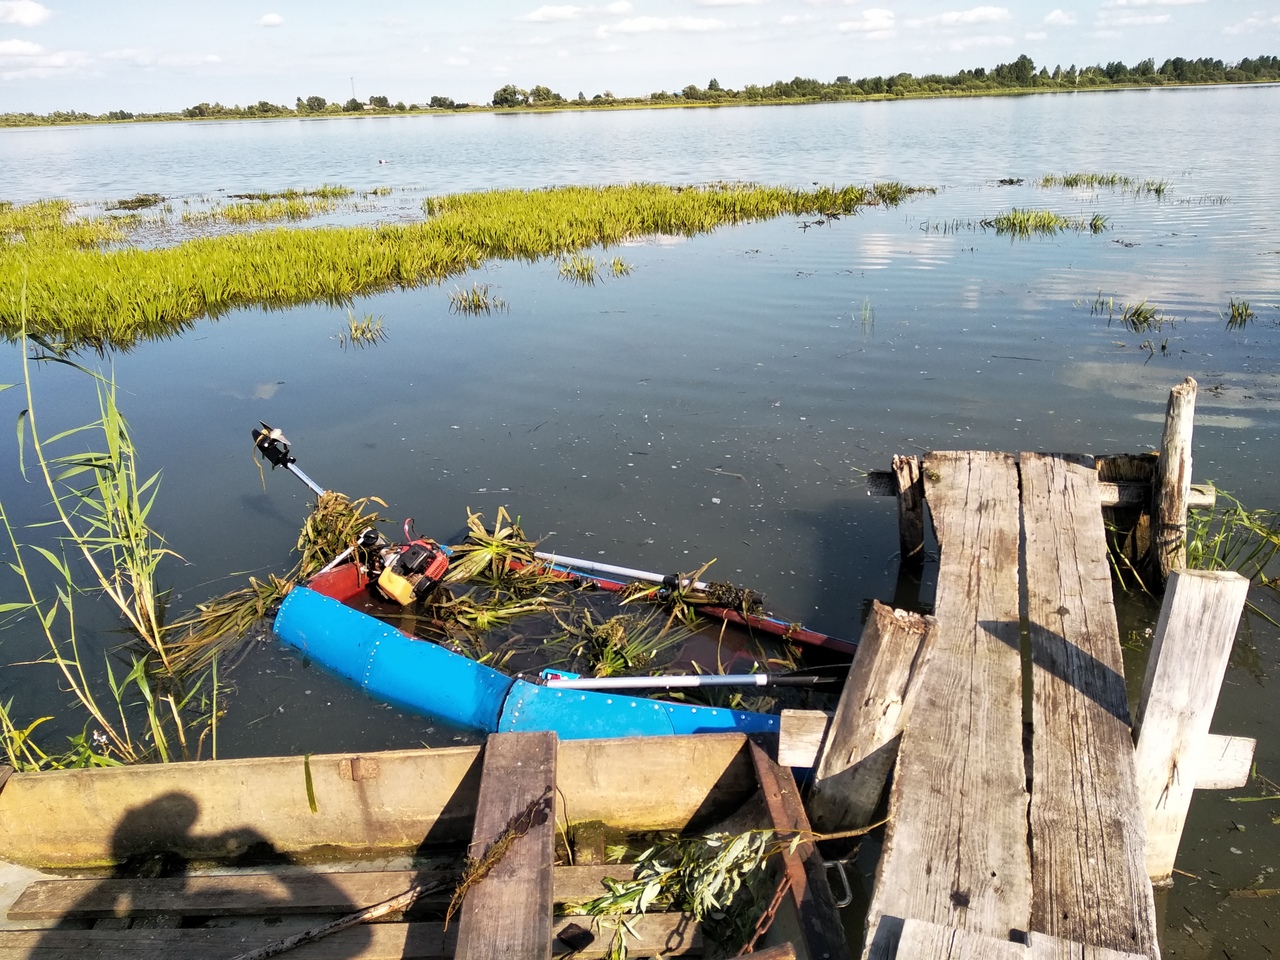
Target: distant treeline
(1021, 75)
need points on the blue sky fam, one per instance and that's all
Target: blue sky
(100, 55)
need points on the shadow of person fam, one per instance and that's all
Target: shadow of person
(163, 893)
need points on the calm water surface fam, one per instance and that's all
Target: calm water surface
(793, 356)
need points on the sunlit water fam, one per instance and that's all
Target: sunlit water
(616, 420)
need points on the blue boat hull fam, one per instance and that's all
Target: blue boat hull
(428, 679)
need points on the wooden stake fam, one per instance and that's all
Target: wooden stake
(1197, 627)
(1173, 481)
(910, 509)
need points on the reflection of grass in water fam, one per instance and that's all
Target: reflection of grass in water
(1239, 313)
(88, 294)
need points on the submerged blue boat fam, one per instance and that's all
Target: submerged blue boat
(429, 679)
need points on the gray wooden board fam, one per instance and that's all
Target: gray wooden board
(928, 941)
(508, 913)
(955, 850)
(261, 893)
(1089, 879)
(670, 934)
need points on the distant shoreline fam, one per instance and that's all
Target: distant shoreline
(60, 119)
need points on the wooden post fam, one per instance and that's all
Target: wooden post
(1197, 627)
(1173, 481)
(910, 510)
(862, 744)
(508, 913)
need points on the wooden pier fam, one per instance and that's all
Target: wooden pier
(1028, 815)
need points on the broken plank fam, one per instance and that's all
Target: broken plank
(810, 891)
(1224, 763)
(800, 736)
(862, 743)
(1089, 881)
(1044, 947)
(1193, 640)
(508, 913)
(955, 850)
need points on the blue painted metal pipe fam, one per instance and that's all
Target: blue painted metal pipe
(428, 679)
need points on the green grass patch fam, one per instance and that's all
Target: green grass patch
(1113, 181)
(82, 291)
(1029, 223)
(1239, 313)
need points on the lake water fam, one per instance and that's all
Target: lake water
(793, 356)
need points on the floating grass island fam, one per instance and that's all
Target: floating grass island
(85, 284)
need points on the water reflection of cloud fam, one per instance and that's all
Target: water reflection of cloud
(1219, 390)
(877, 251)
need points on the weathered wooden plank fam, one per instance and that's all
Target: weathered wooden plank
(810, 892)
(230, 895)
(906, 472)
(6, 771)
(922, 940)
(1173, 481)
(508, 913)
(668, 934)
(1194, 635)
(955, 849)
(1121, 493)
(862, 744)
(1223, 763)
(1089, 882)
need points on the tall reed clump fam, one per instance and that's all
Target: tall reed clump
(1232, 537)
(86, 292)
(100, 504)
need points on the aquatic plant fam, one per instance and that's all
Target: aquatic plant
(1026, 223)
(86, 293)
(579, 268)
(619, 267)
(1232, 537)
(1139, 317)
(100, 504)
(475, 301)
(361, 331)
(1093, 181)
(139, 201)
(622, 644)
(1239, 313)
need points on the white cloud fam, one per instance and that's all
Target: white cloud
(20, 59)
(792, 19)
(1248, 25)
(728, 3)
(271, 20)
(1060, 18)
(875, 24)
(457, 62)
(1147, 20)
(619, 9)
(957, 18)
(664, 24)
(1152, 3)
(25, 13)
(20, 48)
(553, 14)
(969, 43)
(1035, 35)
